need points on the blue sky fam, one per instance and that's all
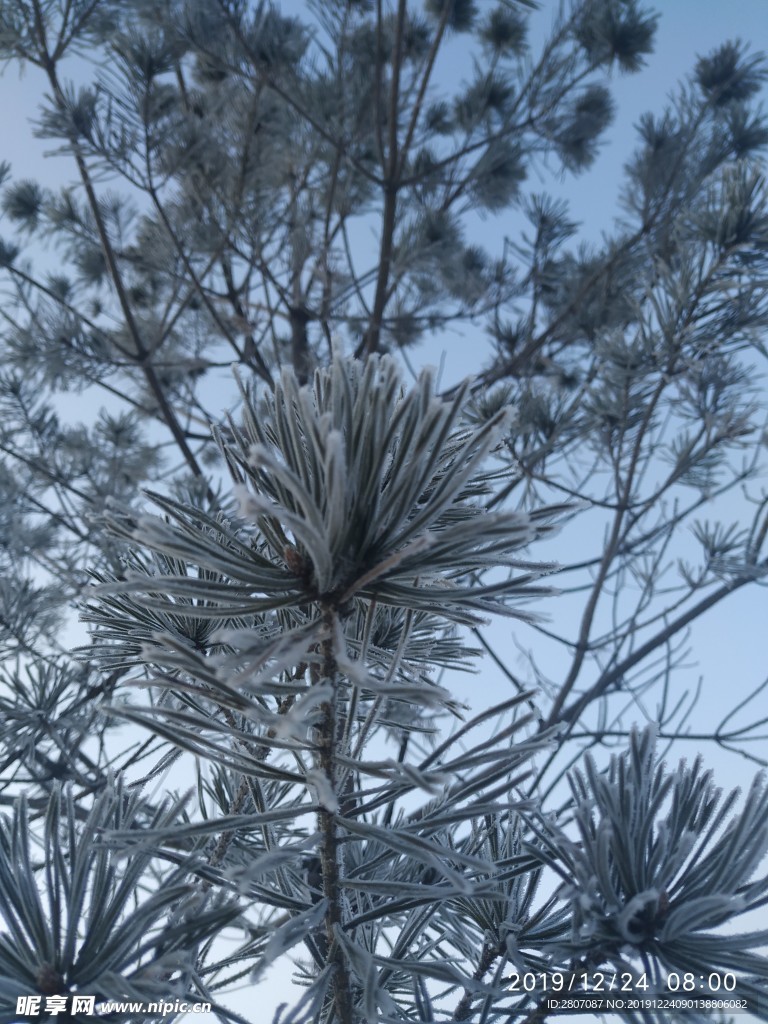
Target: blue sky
(723, 643)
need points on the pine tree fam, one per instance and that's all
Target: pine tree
(282, 570)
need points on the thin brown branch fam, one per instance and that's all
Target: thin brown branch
(142, 353)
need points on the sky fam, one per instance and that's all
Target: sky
(725, 643)
(687, 29)
(722, 643)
